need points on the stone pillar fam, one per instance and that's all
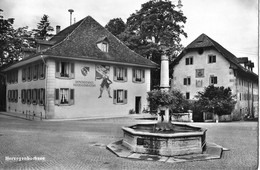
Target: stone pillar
(164, 86)
(164, 79)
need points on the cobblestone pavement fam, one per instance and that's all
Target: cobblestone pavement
(82, 145)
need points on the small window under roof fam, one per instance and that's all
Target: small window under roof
(103, 44)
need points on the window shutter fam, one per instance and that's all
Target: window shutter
(16, 96)
(125, 74)
(57, 65)
(134, 78)
(71, 101)
(125, 96)
(143, 76)
(72, 70)
(185, 81)
(57, 97)
(43, 98)
(115, 77)
(114, 97)
(191, 60)
(38, 98)
(216, 80)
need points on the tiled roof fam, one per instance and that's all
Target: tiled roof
(203, 41)
(80, 41)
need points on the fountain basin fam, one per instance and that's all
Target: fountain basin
(181, 140)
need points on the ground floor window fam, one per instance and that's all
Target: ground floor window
(33, 96)
(187, 95)
(120, 96)
(13, 96)
(64, 96)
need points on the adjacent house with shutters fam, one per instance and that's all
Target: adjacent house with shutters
(205, 62)
(83, 71)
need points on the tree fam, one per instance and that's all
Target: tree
(153, 30)
(217, 100)
(9, 45)
(173, 99)
(43, 28)
(116, 26)
(156, 23)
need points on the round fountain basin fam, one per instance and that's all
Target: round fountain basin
(181, 140)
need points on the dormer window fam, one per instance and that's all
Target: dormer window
(102, 44)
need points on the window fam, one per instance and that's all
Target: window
(189, 61)
(212, 58)
(213, 80)
(35, 72)
(64, 69)
(187, 95)
(199, 73)
(12, 77)
(120, 74)
(28, 96)
(34, 96)
(120, 96)
(29, 72)
(23, 96)
(41, 96)
(138, 75)
(24, 74)
(103, 46)
(41, 71)
(13, 96)
(64, 96)
(186, 81)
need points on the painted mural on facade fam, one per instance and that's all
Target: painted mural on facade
(102, 73)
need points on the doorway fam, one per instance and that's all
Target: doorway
(137, 104)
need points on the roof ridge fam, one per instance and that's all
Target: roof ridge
(55, 45)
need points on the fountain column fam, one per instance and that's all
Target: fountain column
(163, 112)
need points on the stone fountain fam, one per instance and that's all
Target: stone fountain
(164, 139)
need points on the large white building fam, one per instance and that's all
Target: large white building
(204, 62)
(83, 71)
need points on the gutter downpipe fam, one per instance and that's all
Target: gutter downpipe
(45, 95)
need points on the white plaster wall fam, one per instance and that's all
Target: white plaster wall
(19, 107)
(87, 103)
(220, 69)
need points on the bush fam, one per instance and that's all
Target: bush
(173, 99)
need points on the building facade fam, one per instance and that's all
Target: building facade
(204, 62)
(83, 71)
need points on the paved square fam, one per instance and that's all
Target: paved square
(81, 145)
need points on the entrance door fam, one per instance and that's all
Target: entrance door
(137, 104)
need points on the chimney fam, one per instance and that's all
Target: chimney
(57, 29)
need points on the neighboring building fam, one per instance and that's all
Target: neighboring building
(204, 62)
(83, 71)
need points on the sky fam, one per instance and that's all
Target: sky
(232, 23)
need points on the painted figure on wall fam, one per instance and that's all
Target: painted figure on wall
(105, 84)
(102, 72)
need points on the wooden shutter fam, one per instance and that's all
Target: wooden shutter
(72, 70)
(125, 74)
(71, 99)
(43, 97)
(125, 97)
(143, 76)
(114, 97)
(115, 77)
(215, 80)
(185, 81)
(134, 78)
(57, 68)
(16, 96)
(57, 97)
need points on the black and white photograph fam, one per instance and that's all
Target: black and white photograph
(129, 84)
